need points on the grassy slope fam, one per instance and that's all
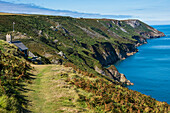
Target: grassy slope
(13, 71)
(56, 89)
(78, 35)
(50, 93)
(95, 93)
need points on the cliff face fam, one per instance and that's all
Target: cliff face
(111, 53)
(89, 44)
(153, 33)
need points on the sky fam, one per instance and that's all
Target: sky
(153, 12)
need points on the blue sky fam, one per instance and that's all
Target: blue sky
(149, 11)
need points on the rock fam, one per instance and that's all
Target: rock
(132, 84)
(57, 61)
(61, 53)
(47, 55)
(40, 32)
(100, 71)
(133, 23)
(114, 74)
(140, 40)
(152, 34)
(123, 30)
(55, 41)
(110, 53)
(52, 27)
(122, 78)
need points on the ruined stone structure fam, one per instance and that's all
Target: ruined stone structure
(8, 38)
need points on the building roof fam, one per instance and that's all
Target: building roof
(20, 45)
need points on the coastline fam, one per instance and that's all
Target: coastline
(148, 69)
(122, 77)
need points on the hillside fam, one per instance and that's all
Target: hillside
(74, 86)
(88, 45)
(13, 71)
(56, 88)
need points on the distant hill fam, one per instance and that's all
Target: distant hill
(1, 13)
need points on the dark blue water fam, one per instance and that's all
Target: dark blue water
(149, 69)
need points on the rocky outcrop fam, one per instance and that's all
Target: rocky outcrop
(139, 40)
(150, 33)
(113, 73)
(107, 53)
(154, 34)
(133, 23)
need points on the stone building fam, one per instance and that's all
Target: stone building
(19, 44)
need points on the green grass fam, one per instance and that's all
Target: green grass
(50, 93)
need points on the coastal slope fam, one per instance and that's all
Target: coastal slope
(89, 45)
(77, 81)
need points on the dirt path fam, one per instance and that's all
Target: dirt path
(49, 93)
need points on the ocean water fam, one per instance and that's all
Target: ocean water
(149, 69)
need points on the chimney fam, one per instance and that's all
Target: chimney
(8, 38)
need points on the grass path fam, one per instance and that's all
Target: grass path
(49, 93)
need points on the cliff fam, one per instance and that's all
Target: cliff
(110, 53)
(89, 44)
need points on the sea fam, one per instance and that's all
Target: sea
(149, 69)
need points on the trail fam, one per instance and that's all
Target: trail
(49, 93)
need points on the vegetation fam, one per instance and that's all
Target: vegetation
(76, 38)
(50, 93)
(109, 97)
(82, 44)
(57, 88)
(13, 70)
